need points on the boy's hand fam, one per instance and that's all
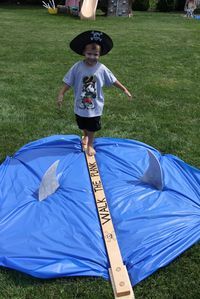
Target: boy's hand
(60, 100)
(128, 94)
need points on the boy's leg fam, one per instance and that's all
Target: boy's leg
(90, 149)
(190, 13)
(85, 138)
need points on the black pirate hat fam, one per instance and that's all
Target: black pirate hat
(92, 36)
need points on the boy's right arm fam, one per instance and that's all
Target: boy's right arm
(60, 97)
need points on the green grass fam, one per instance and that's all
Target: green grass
(157, 57)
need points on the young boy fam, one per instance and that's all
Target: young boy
(190, 6)
(87, 77)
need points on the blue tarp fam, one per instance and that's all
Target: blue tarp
(61, 235)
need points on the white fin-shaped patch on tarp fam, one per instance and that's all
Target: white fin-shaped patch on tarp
(154, 174)
(49, 183)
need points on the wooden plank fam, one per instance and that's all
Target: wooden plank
(118, 273)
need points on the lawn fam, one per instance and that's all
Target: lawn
(157, 56)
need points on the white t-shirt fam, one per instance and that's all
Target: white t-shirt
(87, 82)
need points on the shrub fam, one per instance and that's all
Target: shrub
(152, 4)
(166, 5)
(179, 5)
(103, 5)
(142, 5)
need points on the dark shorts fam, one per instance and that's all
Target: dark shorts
(91, 124)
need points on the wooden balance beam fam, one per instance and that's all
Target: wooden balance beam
(118, 273)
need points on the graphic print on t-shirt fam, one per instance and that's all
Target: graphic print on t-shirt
(88, 94)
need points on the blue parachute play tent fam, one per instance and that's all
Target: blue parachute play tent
(49, 225)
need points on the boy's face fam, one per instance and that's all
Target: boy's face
(92, 53)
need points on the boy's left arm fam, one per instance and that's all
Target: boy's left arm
(123, 88)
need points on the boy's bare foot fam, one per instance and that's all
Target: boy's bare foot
(84, 142)
(91, 151)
